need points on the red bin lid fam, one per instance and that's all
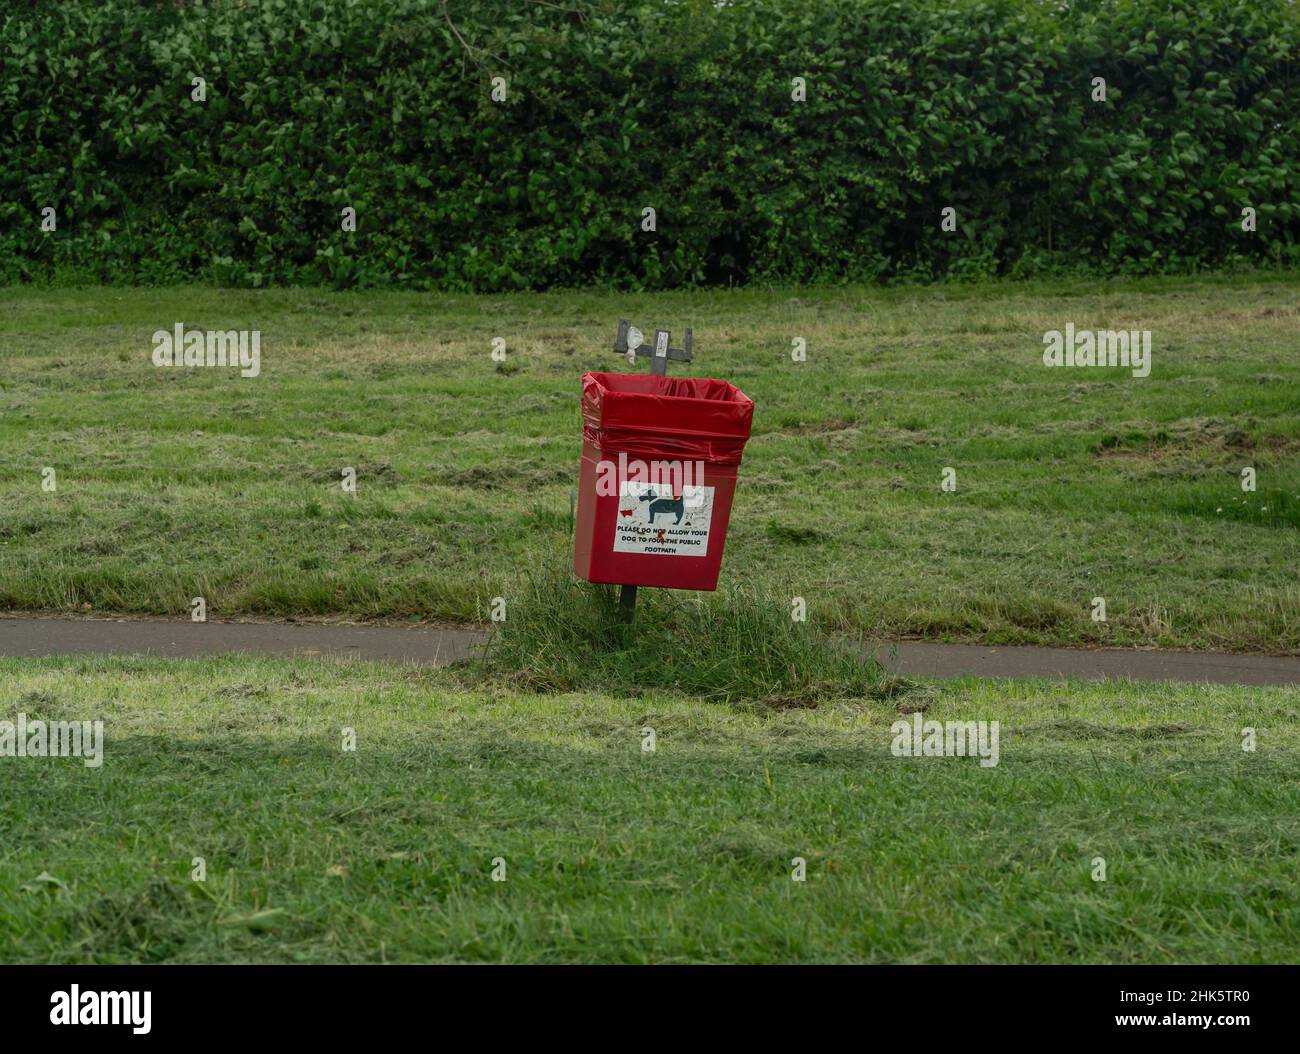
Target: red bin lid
(683, 418)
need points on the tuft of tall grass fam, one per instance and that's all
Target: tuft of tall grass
(740, 644)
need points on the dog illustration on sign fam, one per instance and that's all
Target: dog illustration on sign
(664, 505)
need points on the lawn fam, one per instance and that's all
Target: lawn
(613, 854)
(1071, 483)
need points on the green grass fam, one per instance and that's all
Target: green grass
(1071, 483)
(736, 645)
(614, 855)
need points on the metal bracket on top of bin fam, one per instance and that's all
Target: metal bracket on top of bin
(659, 354)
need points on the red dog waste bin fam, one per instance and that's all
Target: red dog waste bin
(659, 460)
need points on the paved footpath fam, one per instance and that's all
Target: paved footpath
(441, 644)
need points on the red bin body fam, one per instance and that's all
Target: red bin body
(659, 460)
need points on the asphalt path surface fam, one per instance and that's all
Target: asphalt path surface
(438, 645)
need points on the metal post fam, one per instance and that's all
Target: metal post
(660, 354)
(659, 360)
(627, 602)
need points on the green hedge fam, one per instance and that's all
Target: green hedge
(614, 105)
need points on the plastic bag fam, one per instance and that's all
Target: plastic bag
(678, 418)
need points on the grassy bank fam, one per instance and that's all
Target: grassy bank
(385, 853)
(1071, 483)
